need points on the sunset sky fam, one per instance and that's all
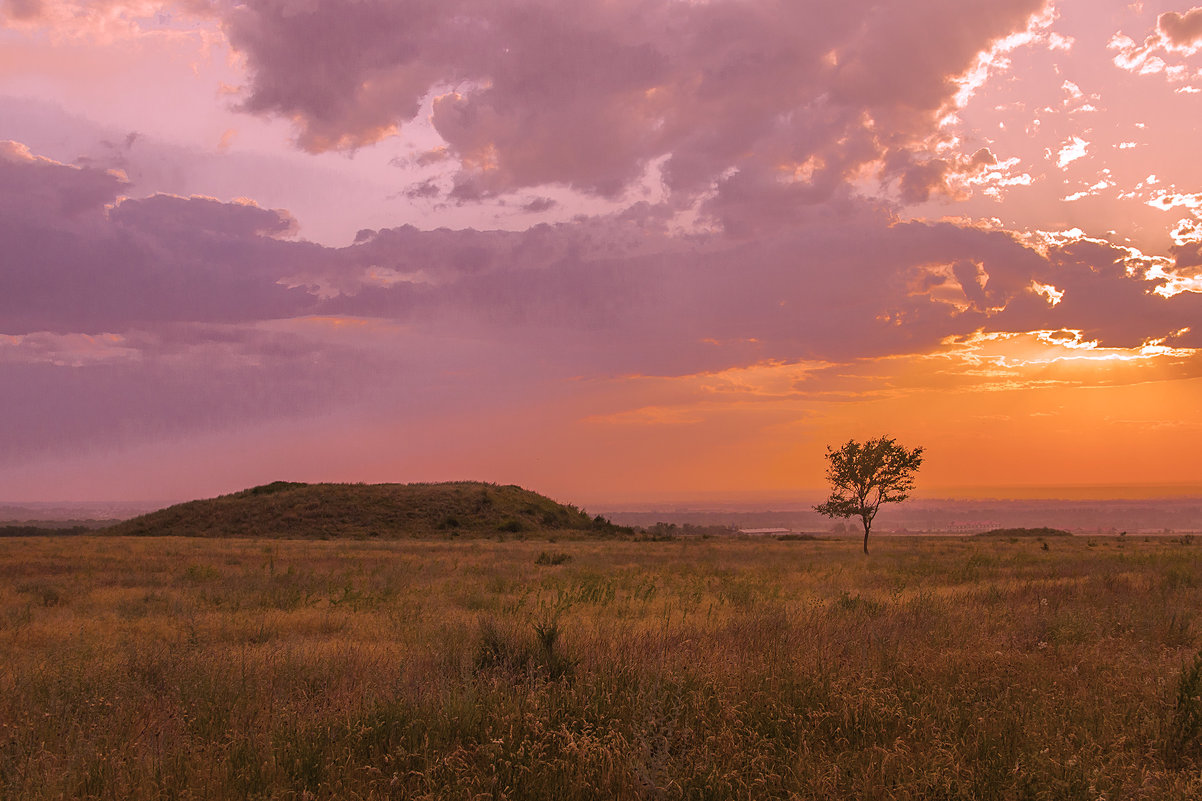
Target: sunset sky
(610, 250)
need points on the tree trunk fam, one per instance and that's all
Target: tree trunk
(867, 525)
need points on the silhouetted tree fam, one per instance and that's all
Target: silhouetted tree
(864, 476)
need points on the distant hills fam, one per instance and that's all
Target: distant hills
(327, 511)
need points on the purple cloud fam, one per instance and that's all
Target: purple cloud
(836, 286)
(142, 316)
(738, 94)
(1181, 30)
(78, 259)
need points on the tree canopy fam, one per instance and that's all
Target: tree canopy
(863, 476)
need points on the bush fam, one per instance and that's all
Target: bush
(552, 558)
(274, 487)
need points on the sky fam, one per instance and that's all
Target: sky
(611, 250)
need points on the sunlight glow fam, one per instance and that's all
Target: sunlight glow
(996, 58)
(1032, 349)
(1048, 292)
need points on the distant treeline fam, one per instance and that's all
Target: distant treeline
(45, 531)
(669, 530)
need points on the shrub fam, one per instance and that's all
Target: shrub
(551, 658)
(500, 648)
(552, 558)
(504, 649)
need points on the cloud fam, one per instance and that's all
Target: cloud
(107, 20)
(618, 293)
(79, 259)
(187, 312)
(21, 10)
(1072, 149)
(426, 190)
(330, 203)
(852, 284)
(72, 393)
(539, 204)
(65, 350)
(1162, 52)
(34, 186)
(723, 95)
(1181, 31)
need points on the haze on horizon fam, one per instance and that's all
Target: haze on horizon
(608, 251)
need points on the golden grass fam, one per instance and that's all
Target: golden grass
(708, 669)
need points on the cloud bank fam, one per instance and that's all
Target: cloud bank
(153, 298)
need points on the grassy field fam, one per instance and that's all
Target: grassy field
(695, 669)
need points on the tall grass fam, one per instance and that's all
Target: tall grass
(937, 668)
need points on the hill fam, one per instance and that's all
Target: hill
(1043, 531)
(320, 511)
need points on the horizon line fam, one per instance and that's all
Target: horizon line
(801, 495)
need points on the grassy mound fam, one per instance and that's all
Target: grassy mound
(1024, 532)
(326, 511)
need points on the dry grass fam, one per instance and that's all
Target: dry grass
(699, 669)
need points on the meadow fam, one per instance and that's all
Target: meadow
(694, 668)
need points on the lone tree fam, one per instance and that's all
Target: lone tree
(864, 476)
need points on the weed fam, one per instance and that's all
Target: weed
(847, 602)
(1183, 736)
(199, 574)
(1176, 577)
(552, 659)
(44, 594)
(1178, 629)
